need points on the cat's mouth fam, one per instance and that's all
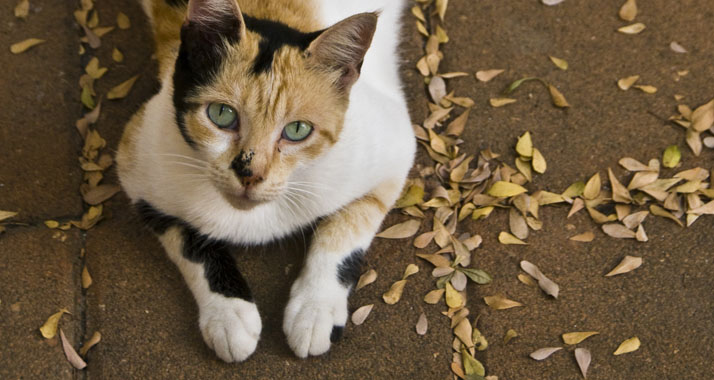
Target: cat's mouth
(241, 200)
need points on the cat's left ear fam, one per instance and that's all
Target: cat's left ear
(342, 47)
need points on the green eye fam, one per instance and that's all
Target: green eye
(222, 115)
(297, 130)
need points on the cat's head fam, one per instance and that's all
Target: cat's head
(256, 99)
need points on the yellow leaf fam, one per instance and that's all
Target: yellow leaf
(585, 237)
(671, 156)
(487, 75)
(122, 89)
(506, 238)
(482, 212)
(22, 46)
(500, 302)
(647, 89)
(626, 83)
(401, 230)
(49, 329)
(453, 298)
(703, 117)
(500, 102)
(628, 11)
(51, 224)
(577, 337)
(94, 70)
(539, 164)
(592, 187)
(96, 337)
(557, 97)
(99, 32)
(6, 215)
(434, 296)
(87, 98)
(123, 21)
(627, 346)
(117, 56)
(524, 146)
(560, 63)
(503, 189)
(394, 293)
(22, 9)
(413, 196)
(86, 278)
(632, 29)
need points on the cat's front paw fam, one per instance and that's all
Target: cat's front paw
(315, 316)
(231, 327)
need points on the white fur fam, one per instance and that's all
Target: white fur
(376, 146)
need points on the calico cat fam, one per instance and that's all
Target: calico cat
(272, 115)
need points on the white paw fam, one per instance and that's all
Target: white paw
(313, 311)
(231, 327)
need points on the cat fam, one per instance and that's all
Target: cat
(272, 115)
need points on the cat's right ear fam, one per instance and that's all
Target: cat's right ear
(209, 24)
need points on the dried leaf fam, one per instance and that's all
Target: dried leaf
(627, 346)
(620, 193)
(441, 8)
(72, 356)
(513, 86)
(122, 89)
(401, 230)
(359, 315)
(694, 141)
(527, 280)
(411, 269)
(641, 235)
(677, 48)
(434, 296)
(366, 278)
(503, 189)
(506, 238)
(94, 70)
(560, 63)
(413, 196)
(456, 127)
(626, 83)
(632, 29)
(707, 208)
(101, 193)
(557, 97)
(96, 338)
(483, 212)
(628, 264)
(476, 275)
(524, 146)
(437, 89)
(463, 331)
(617, 230)
(659, 211)
(49, 329)
(394, 293)
(703, 117)
(551, 2)
(458, 281)
(628, 11)
(646, 88)
(22, 9)
(633, 220)
(23, 46)
(578, 204)
(599, 217)
(577, 337)
(86, 278)
(471, 365)
(123, 21)
(117, 55)
(592, 187)
(101, 31)
(422, 324)
(548, 286)
(500, 102)
(510, 334)
(585, 237)
(500, 302)
(436, 260)
(92, 38)
(539, 164)
(87, 98)
(487, 75)
(453, 298)
(544, 353)
(6, 215)
(517, 224)
(583, 357)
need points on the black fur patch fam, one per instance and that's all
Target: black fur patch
(155, 219)
(350, 268)
(275, 35)
(219, 265)
(177, 3)
(337, 332)
(200, 57)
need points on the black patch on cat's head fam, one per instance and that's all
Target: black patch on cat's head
(349, 270)
(202, 51)
(274, 35)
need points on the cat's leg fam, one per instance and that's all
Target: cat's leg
(317, 310)
(228, 319)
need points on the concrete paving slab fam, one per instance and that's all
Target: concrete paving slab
(39, 275)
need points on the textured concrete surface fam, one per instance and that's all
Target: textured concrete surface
(147, 316)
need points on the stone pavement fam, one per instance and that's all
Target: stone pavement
(148, 319)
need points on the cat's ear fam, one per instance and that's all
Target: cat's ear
(209, 24)
(342, 47)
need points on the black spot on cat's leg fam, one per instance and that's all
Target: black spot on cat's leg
(337, 332)
(155, 219)
(219, 265)
(350, 268)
